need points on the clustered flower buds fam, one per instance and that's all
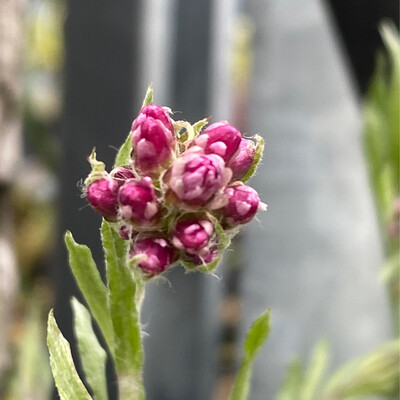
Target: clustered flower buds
(180, 196)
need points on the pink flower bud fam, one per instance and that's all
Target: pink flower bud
(121, 174)
(138, 202)
(221, 139)
(102, 196)
(243, 203)
(243, 161)
(159, 255)
(153, 140)
(195, 238)
(195, 178)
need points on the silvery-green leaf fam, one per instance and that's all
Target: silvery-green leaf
(67, 380)
(123, 156)
(122, 291)
(315, 371)
(199, 125)
(92, 287)
(128, 354)
(292, 383)
(149, 96)
(256, 337)
(93, 356)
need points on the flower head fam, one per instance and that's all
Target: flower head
(153, 140)
(195, 177)
(241, 164)
(138, 203)
(243, 203)
(195, 238)
(159, 255)
(102, 196)
(221, 139)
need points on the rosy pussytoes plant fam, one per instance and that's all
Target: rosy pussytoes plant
(175, 196)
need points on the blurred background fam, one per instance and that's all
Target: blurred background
(319, 80)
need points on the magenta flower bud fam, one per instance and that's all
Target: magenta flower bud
(159, 255)
(195, 238)
(153, 140)
(138, 203)
(156, 112)
(102, 195)
(121, 175)
(221, 139)
(243, 203)
(195, 178)
(241, 164)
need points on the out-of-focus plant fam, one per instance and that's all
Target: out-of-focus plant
(31, 377)
(373, 374)
(381, 126)
(378, 372)
(175, 195)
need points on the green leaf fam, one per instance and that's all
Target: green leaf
(123, 156)
(149, 97)
(32, 377)
(98, 168)
(256, 336)
(292, 383)
(92, 287)
(67, 380)
(92, 355)
(199, 125)
(374, 374)
(124, 310)
(315, 371)
(259, 151)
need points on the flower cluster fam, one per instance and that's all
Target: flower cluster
(180, 195)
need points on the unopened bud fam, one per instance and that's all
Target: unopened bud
(243, 203)
(138, 203)
(195, 178)
(153, 140)
(159, 255)
(102, 195)
(241, 164)
(221, 139)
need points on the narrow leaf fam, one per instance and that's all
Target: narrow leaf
(124, 153)
(67, 380)
(256, 336)
(92, 287)
(315, 371)
(92, 355)
(292, 383)
(122, 293)
(149, 97)
(199, 125)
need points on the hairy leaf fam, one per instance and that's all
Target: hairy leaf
(92, 287)
(256, 336)
(92, 355)
(67, 380)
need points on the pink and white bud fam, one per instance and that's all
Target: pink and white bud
(195, 177)
(241, 164)
(121, 175)
(138, 202)
(243, 203)
(102, 195)
(221, 139)
(195, 238)
(153, 140)
(159, 255)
